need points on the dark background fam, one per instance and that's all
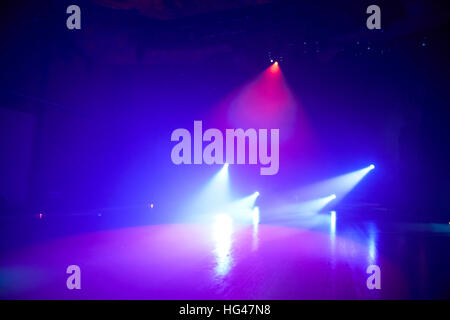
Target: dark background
(86, 115)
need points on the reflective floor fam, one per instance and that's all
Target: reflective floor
(222, 260)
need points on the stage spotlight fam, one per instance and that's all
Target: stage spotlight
(333, 222)
(242, 209)
(316, 205)
(223, 222)
(274, 68)
(223, 173)
(255, 216)
(340, 186)
(267, 102)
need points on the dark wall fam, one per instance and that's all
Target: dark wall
(87, 116)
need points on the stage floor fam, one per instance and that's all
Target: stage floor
(218, 260)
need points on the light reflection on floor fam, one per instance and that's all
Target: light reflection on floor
(222, 260)
(222, 234)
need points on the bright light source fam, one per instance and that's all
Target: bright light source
(333, 222)
(222, 232)
(274, 68)
(333, 196)
(223, 221)
(371, 167)
(241, 209)
(255, 222)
